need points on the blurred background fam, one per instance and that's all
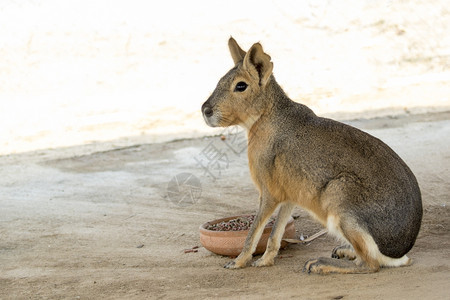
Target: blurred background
(124, 72)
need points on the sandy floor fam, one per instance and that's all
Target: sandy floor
(93, 95)
(80, 223)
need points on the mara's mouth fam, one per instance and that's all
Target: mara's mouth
(210, 116)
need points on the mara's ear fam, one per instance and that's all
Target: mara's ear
(236, 52)
(258, 63)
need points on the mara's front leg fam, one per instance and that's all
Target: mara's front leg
(267, 206)
(274, 242)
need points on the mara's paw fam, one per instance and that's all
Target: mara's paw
(323, 265)
(263, 262)
(345, 251)
(234, 265)
(311, 266)
(326, 265)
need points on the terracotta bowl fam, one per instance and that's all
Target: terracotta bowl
(230, 243)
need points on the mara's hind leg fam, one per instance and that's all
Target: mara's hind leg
(365, 249)
(348, 253)
(274, 242)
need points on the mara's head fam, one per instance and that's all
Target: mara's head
(239, 96)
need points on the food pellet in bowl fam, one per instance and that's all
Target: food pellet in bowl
(237, 224)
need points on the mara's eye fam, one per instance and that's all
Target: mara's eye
(240, 86)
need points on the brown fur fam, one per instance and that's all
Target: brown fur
(351, 182)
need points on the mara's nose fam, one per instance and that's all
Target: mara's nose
(207, 111)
